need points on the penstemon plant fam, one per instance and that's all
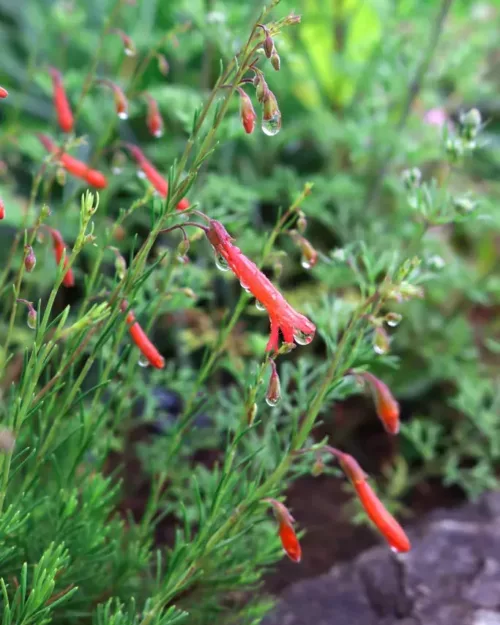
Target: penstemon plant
(103, 289)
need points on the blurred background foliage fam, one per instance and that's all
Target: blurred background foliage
(368, 89)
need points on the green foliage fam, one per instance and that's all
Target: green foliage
(140, 496)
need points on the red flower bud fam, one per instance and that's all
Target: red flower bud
(3, 93)
(61, 104)
(387, 407)
(121, 102)
(247, 112)
(286, 532)
(154, 119)
(59, 248)
(2, 209)
(32, 316)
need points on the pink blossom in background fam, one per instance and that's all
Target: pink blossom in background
(437, 117)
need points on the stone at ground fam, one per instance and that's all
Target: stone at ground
(450, 577)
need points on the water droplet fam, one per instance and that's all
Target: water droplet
(273, 401)
(393, 319)
(259, 305)
(141, 174)
(123, 115)
(272, 126)
(143, 361)
(129, 51)
(244, 286)
(306, 264)
(221, 263)
(302, 338)
(158, 133)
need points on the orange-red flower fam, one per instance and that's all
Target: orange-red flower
(121, 102)
(59, 248)
(153, 175)
(287, 534)
(154, 119)
(3, 93)
(282, 317)
(374, 508)
(77, 168)
(140, 338)
(387, 407)
(61, 104)
(2, 209)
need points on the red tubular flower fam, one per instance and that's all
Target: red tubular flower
(153, 175)
(3, 93)
(287, 534)
(140, 338)
(2, 209)
(154, 119)
(77, 168)
(290, 542)
(387, 407)
(61, 104)
(381, 518)
(59, 248)
(293, 325)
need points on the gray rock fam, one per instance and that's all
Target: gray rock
(450, 577)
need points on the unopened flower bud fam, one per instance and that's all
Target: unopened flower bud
(120, 264)
(189, 293)
(292, 19)
(29, 258)
(268, 45)
(118, 162)
(163, 65)
(251, 414)
(301, 223)
(261, 88)
(309, 254)
(318, 467)
(128, 44)
(276, 61)
(273, 394)
(381, 343)
(454, 148)
(32, 316)
(409, 290)
(44, 212)
(183, 247)
(247, 112)
(7, 440)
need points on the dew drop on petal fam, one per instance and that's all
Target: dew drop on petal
(129, 51)
(259, 305)
(244, 286)
(303, 338)
(158, 133)
(141, 174)
(273, 401)
(221, 263)
(272, 126)
(123, 115)
(143, 361)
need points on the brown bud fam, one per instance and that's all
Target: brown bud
(247, 112)
(29, 258)
(163, 65)
(268, 45)
(275, 60)
(273, 394)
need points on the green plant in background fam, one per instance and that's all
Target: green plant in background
(372, 220)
